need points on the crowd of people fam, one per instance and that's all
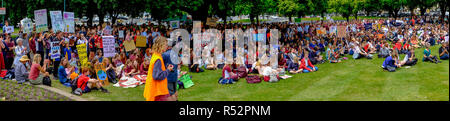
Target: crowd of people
(300, 49)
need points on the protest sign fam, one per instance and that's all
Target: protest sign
(129, 45)
(55, 50)
(121, 34)
(82, 54)
(69, 23)
(380, 36)
(107, 30)
(9, 29)
(174, 24)
(40, 18)
(2, 11)
(211, 21)
(100, 68)
(57, 21)
(108, 46)
(27, 25)
(141, 41)
(333, 30)
(341, 31)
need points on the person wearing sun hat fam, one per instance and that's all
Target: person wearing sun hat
(21, 71)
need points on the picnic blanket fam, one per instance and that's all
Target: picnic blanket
(127, 82)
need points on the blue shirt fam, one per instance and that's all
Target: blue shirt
(173, 75)
(389, 62)
(68, 51)
(62, 74)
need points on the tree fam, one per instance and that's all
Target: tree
(288, 8)
(371, 6)
(346, 7)
(393, 6)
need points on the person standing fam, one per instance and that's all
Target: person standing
(9, 57)
(156, 83)
(173, 74)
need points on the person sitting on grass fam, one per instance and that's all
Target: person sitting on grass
(62, 74)
(110, 70)
(332, 56)
(35, 77)
(306, 65)
(443, 51)
(427, 55)
(227, 73)
(21, 70)
(86, 84)
(359, 53)
(384, 51)
(391, 62)
(143, 68)
(410, 58)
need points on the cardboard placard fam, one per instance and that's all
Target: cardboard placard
(129, 45)
(341, 31)
(27, 25)
(100, 68)
(141, 41)
(9, 29)
(174, 24)
(57, 21)
(55, 50)
(69, 23)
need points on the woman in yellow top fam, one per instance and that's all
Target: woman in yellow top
(156, 84)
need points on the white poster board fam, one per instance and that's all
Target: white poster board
(27, 25)
(69, 23)
(57, 21)
(108, 46)
(40, 17)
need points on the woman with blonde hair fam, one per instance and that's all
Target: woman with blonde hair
(156, 88)
(34, 75)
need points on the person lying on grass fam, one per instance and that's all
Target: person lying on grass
(427, 55)
(87, 84)
(35, 75)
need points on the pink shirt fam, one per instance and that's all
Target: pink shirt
(34, 71)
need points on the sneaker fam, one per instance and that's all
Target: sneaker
(105, 91)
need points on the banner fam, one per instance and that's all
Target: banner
(141, 41)
(27, 25)
(341, 31)
(174, 24)
(9, 29)
(129, 45)
(57, 21)
(55, 50)
(40, 18)
(69, 23)
(2, 11)
(82, 54)
(121, 34)
(108, 46)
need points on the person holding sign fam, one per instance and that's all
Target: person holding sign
(156, 83)
(86, 83)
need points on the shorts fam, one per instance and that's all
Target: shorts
(38, 80)
(172, 87)
(86, 89)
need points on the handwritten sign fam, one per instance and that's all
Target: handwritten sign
(129, 45)
(27, 25)
(57, 21)
(69, 23)
(55, 50)
(174, 24)
(211, 21)
(9, 29)
(341, 31)
(40, 17)
(82, 54)
(121, 34)
(101, 73)
(108, 46)
(141, 41)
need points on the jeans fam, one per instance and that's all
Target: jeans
(444, 57)
(306, 71)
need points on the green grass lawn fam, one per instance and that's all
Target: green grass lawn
(351, 80)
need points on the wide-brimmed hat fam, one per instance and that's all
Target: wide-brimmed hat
(24, 58)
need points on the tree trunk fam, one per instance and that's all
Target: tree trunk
(290, 18)
(251, 18)
(257, 19)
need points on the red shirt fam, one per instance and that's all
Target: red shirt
(98, 39)
(82, 81)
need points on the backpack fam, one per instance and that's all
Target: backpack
(47, 81)
(242, 72)
(251, 79)
(391, 69)
(74, 84)
(186, 80)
